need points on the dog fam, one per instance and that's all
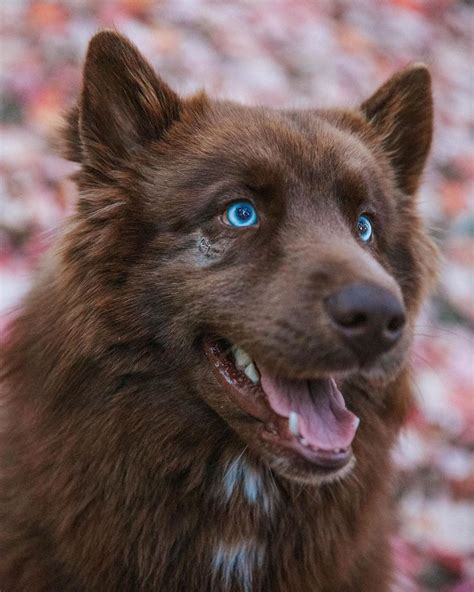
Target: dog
(204, 384)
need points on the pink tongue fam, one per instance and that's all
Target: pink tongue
(323, 418)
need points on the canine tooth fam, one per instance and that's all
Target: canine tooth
(242, 359)
(304, 442)
(293, 423)
(252, 373)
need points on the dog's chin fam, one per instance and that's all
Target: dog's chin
(309, 475)
(300, 428)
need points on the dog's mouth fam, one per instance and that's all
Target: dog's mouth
(307, 418)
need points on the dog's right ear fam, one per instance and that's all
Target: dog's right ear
(123, 105)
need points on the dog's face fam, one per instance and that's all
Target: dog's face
(276, 255)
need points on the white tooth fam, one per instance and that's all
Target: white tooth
(304, 442)
(293, 423)
(252, 373)
(242, 358)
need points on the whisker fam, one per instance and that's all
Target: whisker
(450, 332)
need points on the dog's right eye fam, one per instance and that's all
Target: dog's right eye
(241, 214)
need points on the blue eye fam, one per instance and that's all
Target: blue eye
(240, 214)
(364, 228)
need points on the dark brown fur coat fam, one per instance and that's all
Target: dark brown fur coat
(124, 464)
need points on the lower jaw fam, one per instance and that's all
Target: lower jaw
(294, 468)
(324, 460)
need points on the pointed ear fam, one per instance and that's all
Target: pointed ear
(123, 104)
(401, 111)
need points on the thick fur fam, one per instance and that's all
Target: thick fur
(124, 465)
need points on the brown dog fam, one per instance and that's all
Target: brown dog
(236, 292)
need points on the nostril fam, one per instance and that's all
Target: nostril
(352, 320)
(395, 324)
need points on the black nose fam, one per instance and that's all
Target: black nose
(369, 319)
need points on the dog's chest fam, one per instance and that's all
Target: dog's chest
(258, 543)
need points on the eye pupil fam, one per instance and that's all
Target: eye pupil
(244, 212)
(241, 214)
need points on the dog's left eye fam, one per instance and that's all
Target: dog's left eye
(240, 214)
(364, 228)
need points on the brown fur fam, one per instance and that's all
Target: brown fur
(117, 437)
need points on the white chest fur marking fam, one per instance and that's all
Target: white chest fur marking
(239, 476)
(236, 563)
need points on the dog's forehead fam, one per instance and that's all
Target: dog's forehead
(287, 147)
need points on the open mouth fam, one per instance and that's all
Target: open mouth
(307, 418)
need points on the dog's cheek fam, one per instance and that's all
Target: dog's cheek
(412, 259)
(199, 276)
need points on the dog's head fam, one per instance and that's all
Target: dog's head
(276, 255)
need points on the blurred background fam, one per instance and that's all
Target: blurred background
(283, 53)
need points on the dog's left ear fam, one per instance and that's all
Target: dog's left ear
(401, 111)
